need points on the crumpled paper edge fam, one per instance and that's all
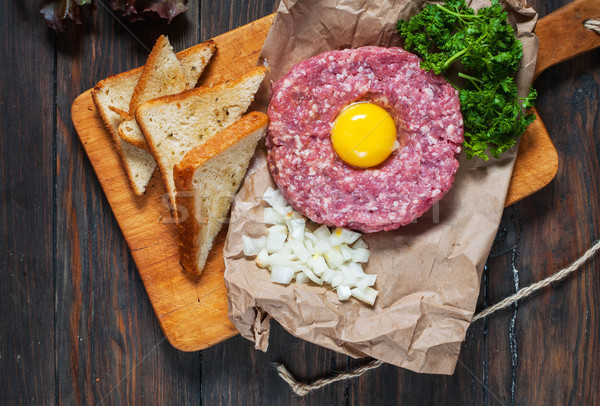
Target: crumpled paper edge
(252, 316)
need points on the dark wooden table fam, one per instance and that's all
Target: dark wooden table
(76, 325)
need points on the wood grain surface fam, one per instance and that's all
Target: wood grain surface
(192, 311)
(77, 325)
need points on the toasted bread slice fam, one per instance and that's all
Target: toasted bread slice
(206, 180)
(194, 60)
(116, 91)
(173, 125)
(162, 75)
(112, 97)
(130, 132)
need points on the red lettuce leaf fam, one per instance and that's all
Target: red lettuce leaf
(59, 14)
(136, 10)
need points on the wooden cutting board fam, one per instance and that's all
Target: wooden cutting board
(193, 311)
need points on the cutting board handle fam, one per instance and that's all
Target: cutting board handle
(563, 36)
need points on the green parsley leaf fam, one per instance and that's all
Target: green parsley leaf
(485, 48)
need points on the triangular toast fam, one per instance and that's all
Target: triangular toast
(206, 180)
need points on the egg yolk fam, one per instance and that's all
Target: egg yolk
(363, 135)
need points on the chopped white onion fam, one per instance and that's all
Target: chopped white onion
(337, 279)
(334, 257)
(318, 265)
(296, 227)
(299, 250)
(353, 268)
(343, 235)
(311, 275)
(343, 292)
(292, 252)
(283, 259)
(282, 274)
(301, 278)
(262, 259)
(252, 246)
(366, 280)
(322, 246)
(360, 255)
(308, 244)
(360, 243)
(328, 275)
(273, 217)
(276, 238)
(322, 233)
(274, 198)
(308, 236)
(347, 252)
(367, 295)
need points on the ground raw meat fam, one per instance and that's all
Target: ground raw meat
(317, 183)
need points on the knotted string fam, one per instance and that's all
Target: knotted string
(593, 25)
(301, 388)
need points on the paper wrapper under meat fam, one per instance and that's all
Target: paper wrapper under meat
(428, 272)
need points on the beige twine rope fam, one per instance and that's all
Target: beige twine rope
(593, 25)
(301, 388)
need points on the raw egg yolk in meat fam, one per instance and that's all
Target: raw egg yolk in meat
(363, 135)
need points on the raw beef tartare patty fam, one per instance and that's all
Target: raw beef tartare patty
(317, 183)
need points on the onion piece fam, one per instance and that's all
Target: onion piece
(292, 252)
(343, 235)
(262, 259)
(322, 233)
(367, 295)
(282, 274)
(301, 278)
(337, 279)
(252, 246)
(299, 250)
(296, 228)
(347, 252)
(274, 198)
(360, 255)
(322, 246)
(283, 259)
(308, 236)
(318, 265)
(360, 243)
(366, 280)
(334, 257)
(343, 292)
(271, 216)
(276, 238)
(311, 275)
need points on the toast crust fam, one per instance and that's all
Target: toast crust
(115, 136)
(186, 58)
(224, 139)
(140, 143)
(124, 115)
(131, 75)
(183, 175)
(199, 90)
(153, 61)
(186, 53)
(259, 70)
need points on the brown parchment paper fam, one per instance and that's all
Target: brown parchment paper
(428, 272)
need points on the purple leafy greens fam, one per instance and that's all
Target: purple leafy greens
(59, 14)
(136, 10)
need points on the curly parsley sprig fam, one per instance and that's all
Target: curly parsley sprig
(486, 47)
